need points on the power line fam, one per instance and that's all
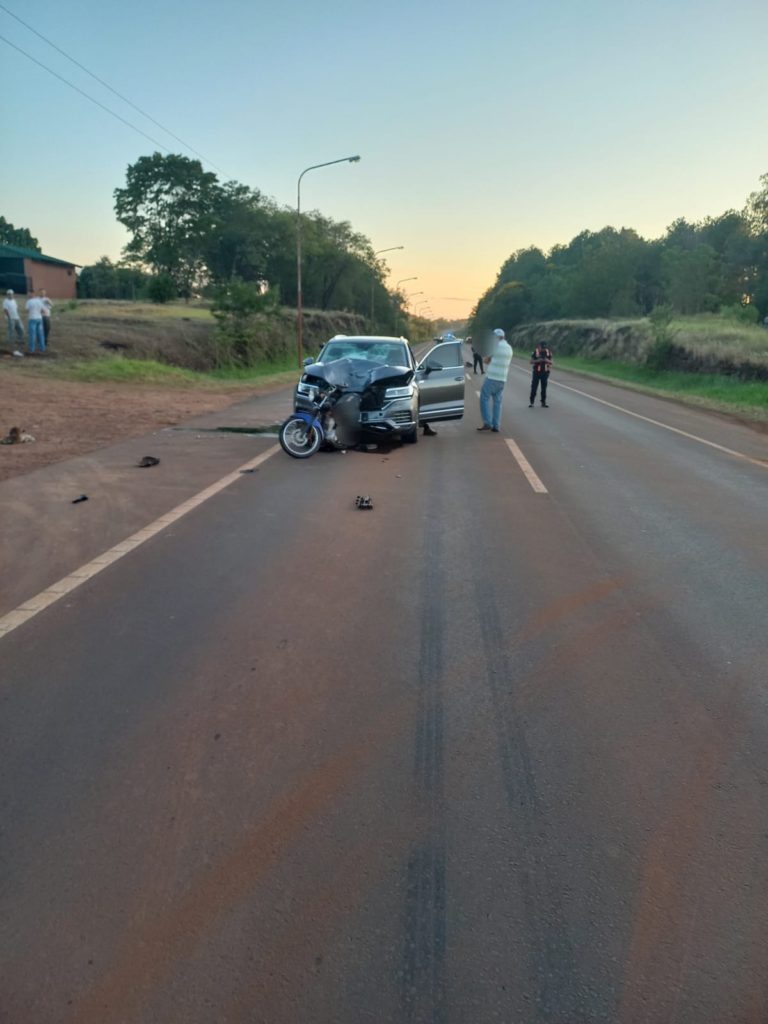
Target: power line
(106, 86)
(82, 93)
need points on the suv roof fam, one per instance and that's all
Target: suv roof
(366, 337)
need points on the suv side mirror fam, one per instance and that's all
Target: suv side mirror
(308, 361)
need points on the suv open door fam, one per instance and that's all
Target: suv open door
(440, 379)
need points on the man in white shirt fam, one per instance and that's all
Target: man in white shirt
(47, 307)
(493, 385)
(15, 329)
(35, 319)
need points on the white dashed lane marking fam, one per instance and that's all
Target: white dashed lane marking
(527, 468)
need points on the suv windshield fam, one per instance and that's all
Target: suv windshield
(388, 353)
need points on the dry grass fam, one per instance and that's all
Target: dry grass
(706, 344)
(176, 334)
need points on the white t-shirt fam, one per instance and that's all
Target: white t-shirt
(498, 368)
(9, 305)
(35, 309)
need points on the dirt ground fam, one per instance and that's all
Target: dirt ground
(69, 418)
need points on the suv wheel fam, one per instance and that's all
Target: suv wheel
(411, 437)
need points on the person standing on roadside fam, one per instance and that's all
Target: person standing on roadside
(477, 359)
(493, 386)
(47, 307)
(15, 329)
(541, 362)
(35, 319)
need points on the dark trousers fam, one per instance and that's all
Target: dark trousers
(46, 328)
(543, 376)
(478, 361)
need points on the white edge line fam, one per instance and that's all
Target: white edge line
(29, 608)
(657, 423)
(526, 467)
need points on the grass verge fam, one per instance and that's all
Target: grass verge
(715, 391)
(121, 370)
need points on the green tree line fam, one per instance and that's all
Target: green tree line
(717, 264)
(192, 233)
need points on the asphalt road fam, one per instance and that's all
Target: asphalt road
(482, 754)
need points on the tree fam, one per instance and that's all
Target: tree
(336, 265)
(169, 205)
(691, 278)
(10, 235)
(505, 305)
(107, 280)
(243, 234)
(756, 211)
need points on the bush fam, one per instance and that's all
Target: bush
(742, 314)
(162, 289)
(661, 351)
(241, 309)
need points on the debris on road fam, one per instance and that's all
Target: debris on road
(363, 502)
(148, 460)
(16, 436)
(83, 497)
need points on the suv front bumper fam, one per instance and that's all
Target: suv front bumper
(398, 416)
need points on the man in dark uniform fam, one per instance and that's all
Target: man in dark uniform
(541, 361)
(477, 359)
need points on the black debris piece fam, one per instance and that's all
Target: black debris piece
(363, 502)
(83, 497)
(148, 460)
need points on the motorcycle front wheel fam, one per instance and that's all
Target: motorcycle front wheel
(298, 438)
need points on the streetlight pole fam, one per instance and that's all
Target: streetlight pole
(299, 310)
(373, 277)
(401, 281)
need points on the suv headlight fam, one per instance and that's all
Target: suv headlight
(405, 392)
(306, 389)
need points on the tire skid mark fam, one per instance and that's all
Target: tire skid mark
(423, 960)
(552, 956)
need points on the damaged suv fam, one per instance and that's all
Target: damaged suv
(428, 391)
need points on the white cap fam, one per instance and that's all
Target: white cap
(499, 333)
(9, 292)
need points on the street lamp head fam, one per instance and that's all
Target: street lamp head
(354, 159)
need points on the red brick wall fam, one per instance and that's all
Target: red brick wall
(59, 282)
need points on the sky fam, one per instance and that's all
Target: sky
(483, 127)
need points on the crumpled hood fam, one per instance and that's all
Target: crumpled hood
(358, 374)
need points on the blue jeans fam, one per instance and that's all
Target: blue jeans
(36, 333)
(15, 332)
(490, 394)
